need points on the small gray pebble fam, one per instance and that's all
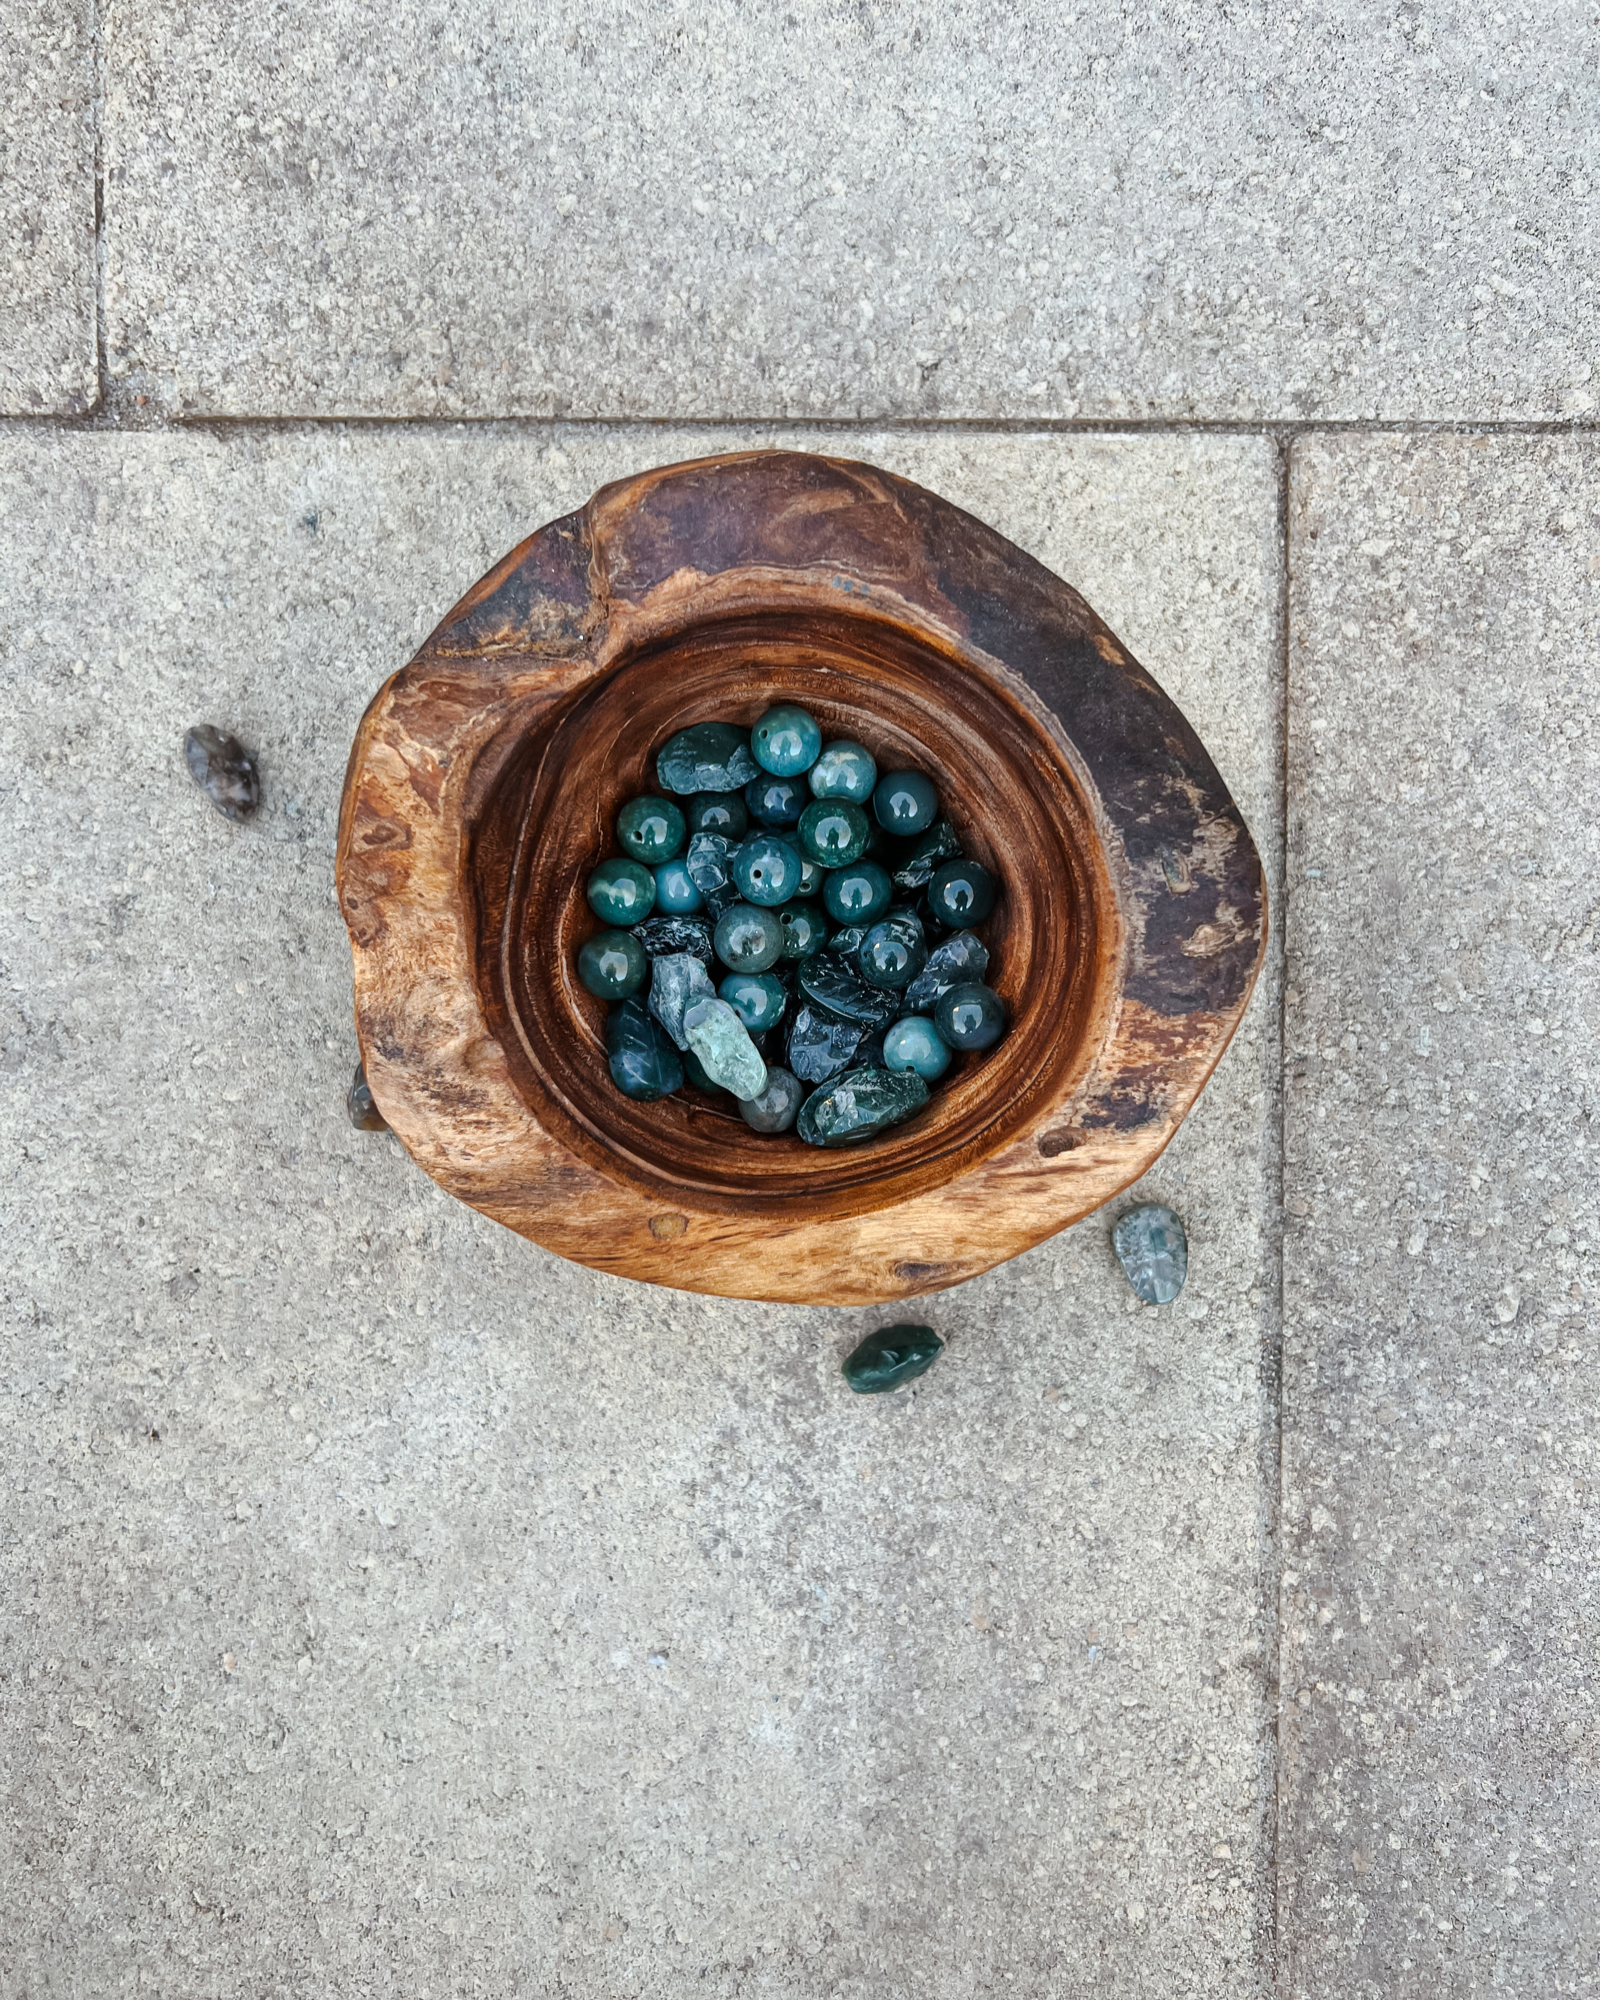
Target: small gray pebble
(223, 769)
(364, 1113)
(1153, 1252)
(776, 1109)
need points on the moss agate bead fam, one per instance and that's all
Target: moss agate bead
(891, 1356)
(892, 953)
(857, 894)
(775, 801)
(644, 1065)
(676, 894)
(971, 1016)
(612, 965)
(717, 812)
(905, 802)
(765, 870)
(844, 771)
(961, 893)
(650, 830)
(811, 879)
(915, 1043)
(803, 930)
(622, 893)
(776, 1109)
(833, 833)
(786, 740)
(757, 998)
(748, 938)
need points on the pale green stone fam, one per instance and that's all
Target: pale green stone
(1154, 1253)
(727, 1054)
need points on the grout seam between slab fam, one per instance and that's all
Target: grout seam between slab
(96, 416)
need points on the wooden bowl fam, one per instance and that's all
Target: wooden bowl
(484, 785)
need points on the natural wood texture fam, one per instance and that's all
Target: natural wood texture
(486, 776)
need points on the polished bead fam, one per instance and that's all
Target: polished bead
(677, 982)
(859, 1105)
(844, 771)
(905, 802)
(970, 1016)
(748, 938)
(786, 740)
(803, 930)
(710, 757)
(833, 982)
(722, 1042)
(1154, 1253)
(777, 1107)
(892, 1356)
(892, 953)
(708, 869)
(650, 830)
(223, 769)
(676, 894)
(954, 961)
(811, 879)
(915, 1043)
(717, 812)
(961, 893)
(765, 870)
(775, 802)
(820, 1045)
(622, 892)
(757, 998)
(667, 934)
(612, 964)
(856, 894)
(644, 1065)
(833, 832)
(938, 844)
(693, 1073)
(360, 1108)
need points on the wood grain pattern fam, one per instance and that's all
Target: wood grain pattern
(486, 776)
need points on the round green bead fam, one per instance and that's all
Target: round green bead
(765, 870)
(717, 812)
(749, 939)
(858, 894)
(622, 892)
(775, 801)
(675, 890)
(961, 894)
(612, 964)
(915, 1043)
(970, 1016)
(844, 771)
(833, 833)
(892, 953)
(811, 879)
(786, 740)
(803, 930)
(905, 802)
(650, 830)
(757, 998)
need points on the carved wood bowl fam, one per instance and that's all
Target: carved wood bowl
(484, 785)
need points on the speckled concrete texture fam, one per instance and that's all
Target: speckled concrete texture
(821, 210)
(1441, 1737)
(391, 1608)
(47, 218)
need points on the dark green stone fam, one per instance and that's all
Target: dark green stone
(778, 1105)
(612, 964)
(915, 1043)
(622, 893)
(663, 935)
(811, 879)
(961, 893)
(650, 830)
(677, 981)
(848, 941)
(891, 1356)
(710, 757)
(858, 893)
(938, 844)
(844, 771)
(644, 1064)
(904, 802)
(363, 1113)
(786, 740)
(676, 894)
(953, 962)
(892, 953)
(833, 832)
(717, 812)
(804, 932)
(749, 939)
(970, 1016)
(775, 801)
(757, 998)
(821, 1045)
(765, 870)
(708, 870)
(859, 1105)
(694, 1072)
(832, 981)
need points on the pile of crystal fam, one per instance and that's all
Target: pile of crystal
(788, 925)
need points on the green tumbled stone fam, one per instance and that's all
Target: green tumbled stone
(749, 939)
(858, 893)
(938, 844)
(892, 1355)
(765, 870)
(892, 953)
(961, 893)
(832, 981)
(776, 1109)
(804, 932)
(844, 771)
(786, 740)
(848, 941)
(717, 812)
(972, 1016)
(727, 1054)
(904, 802)
(821, 1045)
(859, 1105)
(667, 934)
(833, 833)
(707, 864)
(953, 962)
(757, 998)
(677, 981)
(612, 964)
(644, 1065)
(622, 893)
(915, 1043)
(650, 830)
(710, 757)
(1154, 1253)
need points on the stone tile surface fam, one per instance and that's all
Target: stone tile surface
(864, 212)
(47, 310)
(390, 1606)
(1440, 1826)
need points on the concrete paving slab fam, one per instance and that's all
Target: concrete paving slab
(1441, 1736)
(390, 1606)
(47, 302)
(826, 212)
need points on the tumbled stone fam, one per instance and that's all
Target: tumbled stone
(821, 1045)
(707, 862)
(727, 1055)
(693, 1073)
(710, 757)
(677, 981)
(859, 1105)
(891, 1356)
(364, 1113)
(953, 962)
(833, 982)
(1154, 1253)
(848, 941)
(938, 844)
(223, 769)
(777, 1107)
(660, 935)
(644, 1065)
(872, 1054)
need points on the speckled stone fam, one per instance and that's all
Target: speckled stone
(832, 981)
(891, 1357)
(722, 1043)
(821, 1045)
(775, 1108)
(955, 961)
(677, 982)
(708, 865)
(359, 1105)
(859, 1105)
(925, 854)
(659, 935)
(708, 757)
(1153, 1251)
(223, 769)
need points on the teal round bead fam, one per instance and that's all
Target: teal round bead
(775, 801)
(748, 938)
(757, 998)
(804, 931)
(622, 892)
(858, 894)
(905, 802)
(961, 894)
(844, 771)
(765, 870)
(811, 879)
(777, 1106)
(785, 741)
(612, 964)
(650, 830)
(675, 890)
(833, 833)
(892, 953)
(915, 1043)
(717, 812)
(970, 1016)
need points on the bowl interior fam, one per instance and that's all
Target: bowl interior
(1002, 780)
